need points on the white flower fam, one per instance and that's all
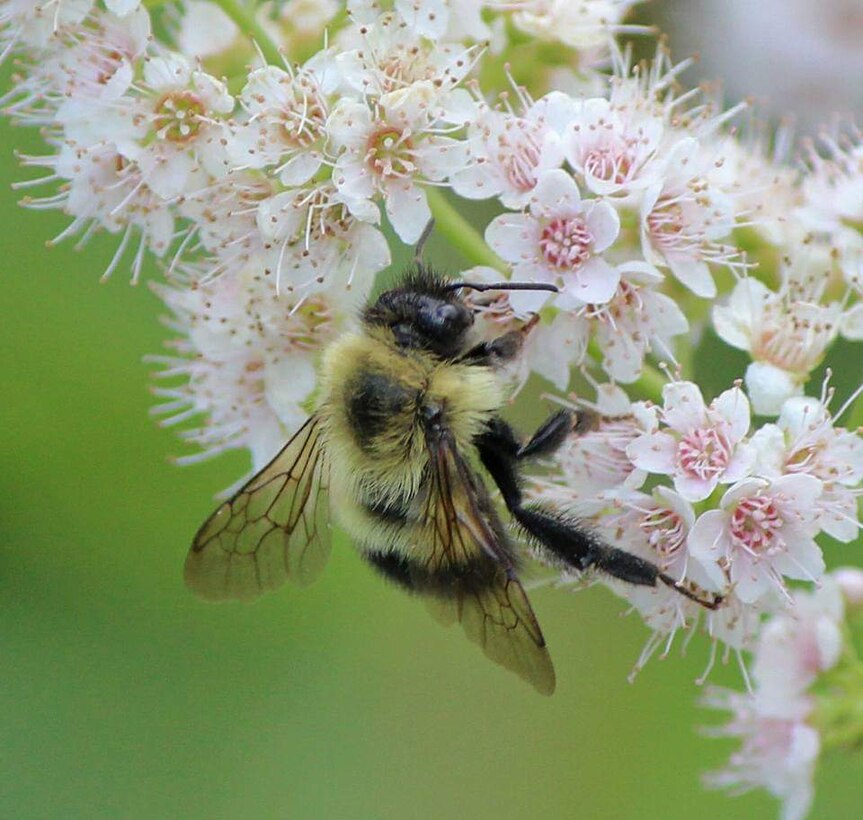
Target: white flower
(559, 241)
(613, 144)
(247, 359)
(509, 152)
(763, 531)
(393, 64)
(33, 23)
(580, 24)
(636, 320)
(104, 190)
(699, 447)
(286, 125)
(786, 333)
(177, 117)
(453, 20)
(308, 17)
(804, 440)
(205, 29)
(553, 349)
(389, 153)
(122, 7)
(315, 243)
(97, 62)
(596, 461)
(850, 583)
(796, 645)
(224, 220)
(833, 186)
(778, 754)
(684, 216)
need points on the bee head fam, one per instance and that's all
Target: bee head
(424, 312)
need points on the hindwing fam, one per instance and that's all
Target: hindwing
(479, 588)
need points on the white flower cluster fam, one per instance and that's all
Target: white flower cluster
(718, 506)
(782, 721)
(265, 199)
(261, 173)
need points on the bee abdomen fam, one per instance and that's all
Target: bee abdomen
(387, 512)
(449, 581)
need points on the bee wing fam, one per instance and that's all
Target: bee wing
(486, 597)
(274, 529)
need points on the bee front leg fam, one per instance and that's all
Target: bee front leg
(496, 352)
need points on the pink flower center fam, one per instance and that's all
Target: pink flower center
(519, 155)
(704, 453)
(666, 225)
(177, 116)
(566, 242)
(665, 531)
(755, 523)
(608, 164)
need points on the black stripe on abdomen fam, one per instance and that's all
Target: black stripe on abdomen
(478, 574)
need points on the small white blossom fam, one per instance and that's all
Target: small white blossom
(699, 447)
(389, 153)
(804, 440)
(285, 127)
(637, 319)
(763, 530)
(34, 23)
(777, 754)
(510, 151)
(786, 333)
(613, 144)
(205, 29)
(314, 242)
(596, 461)
(559, 241)
(850, 583)
(684, 217)
(797, 645)
(580, 24)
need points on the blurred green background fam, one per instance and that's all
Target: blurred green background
(124, 696)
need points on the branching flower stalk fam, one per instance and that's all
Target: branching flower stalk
(266, 157)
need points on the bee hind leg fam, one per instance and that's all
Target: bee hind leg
(562, 536)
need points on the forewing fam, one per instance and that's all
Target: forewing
(274, 529)
(488, 600)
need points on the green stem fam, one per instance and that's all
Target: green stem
(855, 419)
(244, 17)
(650, 383)
(450, 224)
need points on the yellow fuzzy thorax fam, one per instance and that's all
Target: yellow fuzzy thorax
(394, 464)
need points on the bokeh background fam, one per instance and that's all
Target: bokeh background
(124, 696)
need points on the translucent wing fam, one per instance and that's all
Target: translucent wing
(482, 591)
(274, 529)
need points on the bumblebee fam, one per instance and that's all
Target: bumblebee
(409, 413)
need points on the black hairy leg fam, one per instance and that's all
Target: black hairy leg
(563, 536)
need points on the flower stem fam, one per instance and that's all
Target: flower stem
(244, 16)
(855, 420)
(460, 233)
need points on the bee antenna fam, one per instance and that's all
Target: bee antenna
(481, 286)
(421, 242)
